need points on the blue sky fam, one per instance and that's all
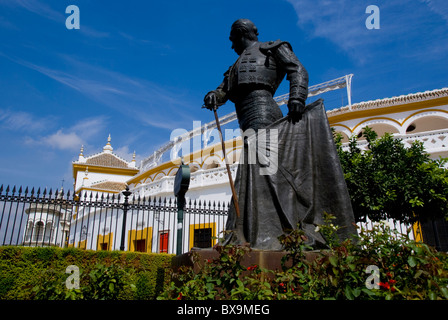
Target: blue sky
(139, 69)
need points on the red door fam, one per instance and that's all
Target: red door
(163, 243)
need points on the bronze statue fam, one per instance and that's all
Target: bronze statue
(308, 179)
(254, 78)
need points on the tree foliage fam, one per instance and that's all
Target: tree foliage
(389, 180)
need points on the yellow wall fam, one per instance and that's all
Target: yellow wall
(144, 234)
(107, 238)
(418, 235)
(82, 244)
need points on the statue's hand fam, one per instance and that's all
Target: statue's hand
(211, 101)
(296, 109)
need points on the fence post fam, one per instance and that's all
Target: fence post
(126, 194)
(181, 184)
(180, 222)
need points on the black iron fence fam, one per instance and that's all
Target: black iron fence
(121, 221)
(103, 221)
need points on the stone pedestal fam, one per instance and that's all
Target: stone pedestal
(270, 260)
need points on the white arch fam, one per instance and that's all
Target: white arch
(346, 133)
(429, 115)
(379, 125)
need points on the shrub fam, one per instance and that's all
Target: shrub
(40, 273)
(406, 270)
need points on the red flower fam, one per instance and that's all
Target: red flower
(388, 285)
(180, 296)
(282, 287)
(385, 285)
(252, 268)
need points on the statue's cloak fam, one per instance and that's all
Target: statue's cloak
(293, 181)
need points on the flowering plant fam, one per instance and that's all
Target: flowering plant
(406, 270)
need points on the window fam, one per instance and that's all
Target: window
(202, 235)
(163, 243)
(140, 245)
(140, 240)
(202, 238)
(39, 231)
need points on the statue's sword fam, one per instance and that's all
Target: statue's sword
(229, 173)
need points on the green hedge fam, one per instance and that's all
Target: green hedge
(40, 273)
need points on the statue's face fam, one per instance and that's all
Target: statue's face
(238, 43)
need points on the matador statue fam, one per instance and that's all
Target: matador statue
(308, 180)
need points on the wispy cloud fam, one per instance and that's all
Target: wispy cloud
(70, 138)
(22, 121)
(439, 7)
(139, 99)
(44, 10)
(138, 41)
(60, 140)
(44, 131)
(41, 9)
(343, 23)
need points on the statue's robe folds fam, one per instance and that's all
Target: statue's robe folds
(293, 181)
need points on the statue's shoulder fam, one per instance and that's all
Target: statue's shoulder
(272, 45)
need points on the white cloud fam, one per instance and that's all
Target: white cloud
(62, 141)
(401, 23)
(44, 10)
(71, 138)
(22, 121)
(439, 7)
(338, 21)
(127, 154)
(139, 99)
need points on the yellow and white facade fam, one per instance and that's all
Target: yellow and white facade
(420, 116)
(102, 172)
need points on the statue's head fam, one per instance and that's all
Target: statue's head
(242, 31)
